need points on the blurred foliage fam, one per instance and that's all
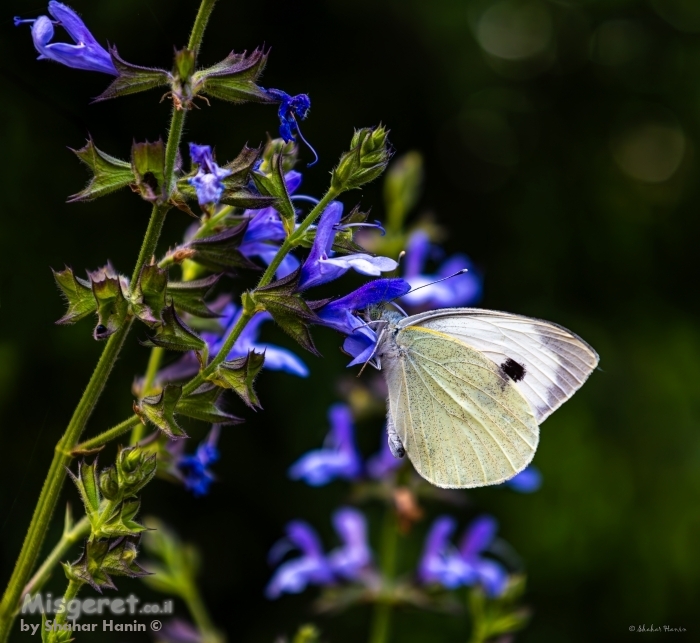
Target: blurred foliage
(559, 142)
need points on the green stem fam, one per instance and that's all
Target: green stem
(200, 615)
(200, 24)
(381, 621)
(107, 436)
(293, 240)
(79, 531)
(71, 592)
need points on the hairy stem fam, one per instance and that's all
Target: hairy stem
(149, 378)
(200, 24)
(71, 592)
(107, 436)
(76, 533)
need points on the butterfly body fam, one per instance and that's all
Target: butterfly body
(468, 389)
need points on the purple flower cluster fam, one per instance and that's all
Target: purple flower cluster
(443, 564)
(350, 562)
(208, 182)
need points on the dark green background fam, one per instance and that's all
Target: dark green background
(569, 177)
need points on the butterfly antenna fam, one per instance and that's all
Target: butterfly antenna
(437, 281)
(374, 350)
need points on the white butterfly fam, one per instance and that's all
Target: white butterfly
(469, 387)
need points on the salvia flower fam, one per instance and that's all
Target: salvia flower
(311, 567)
(340, 314)
(292, 109)
(321, 266)
(528, 480)
(339, 457)
(265, 232)
(445, 565)
(193, 470)
(276, 357)
(462, 290)
(85, 54)
(208, 182)
(349, 562)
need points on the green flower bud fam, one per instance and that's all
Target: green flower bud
(367, 158)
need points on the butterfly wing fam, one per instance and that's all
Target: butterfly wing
(547, 362)
(463, 423)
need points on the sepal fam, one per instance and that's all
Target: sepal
(202, 405)
(149, 297)
(78, 294)
(112, 305)
(132, 78)
(219, 252)
(239, 374)
(148, 167)
(108, 173)
(102, 559)
(288, 309)
(181, 83)
(234, 78)
(175, 335)
(188, 296)
(344, 242)
(273, 185)
(368, 157)
(160, 410)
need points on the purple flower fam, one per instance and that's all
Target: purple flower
(193, 470)
(445, 565)
(340, 315)
(321, 267)
(528, 480)
(461, 290)
(180, 631)
(383, 463)
(265, 232)
(339, 458)
(350, 561)
(86, 53)
(292, 108)
(208, 182)
(313, 567)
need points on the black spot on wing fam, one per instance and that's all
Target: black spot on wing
(512, 369)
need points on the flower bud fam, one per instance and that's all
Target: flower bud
(367, 158)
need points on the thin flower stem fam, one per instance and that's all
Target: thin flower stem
(200, 24)
(71, 592)
(200, 616)
(62, 455)
(381, 621)
(154, 361)
(76, 533)
(107, 436)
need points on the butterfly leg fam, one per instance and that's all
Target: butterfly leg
(395, 444)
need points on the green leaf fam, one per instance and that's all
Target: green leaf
(188, 296)
(132, 78)
(175, 335)
(78, 294)
(202, 405)
(123, 522)
(108, 173)
(160, 410)
(288, 309)
(149, 299)
(148, 165)
(219, 252)
(239, 374)
(112, 306)
(233, 79)
(273, 185)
